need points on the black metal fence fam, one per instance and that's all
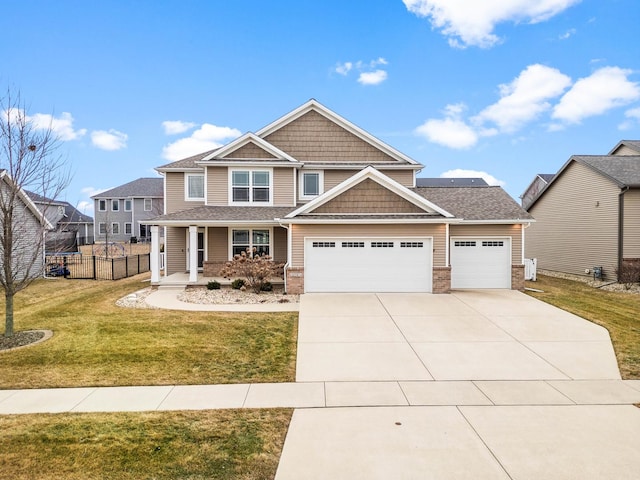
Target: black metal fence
(92, 267)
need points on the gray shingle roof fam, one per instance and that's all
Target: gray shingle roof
(547, 177)
(230, 214)
(623, 170)
(450, 182)
(633, 144)
(475, 203)
(142, 187)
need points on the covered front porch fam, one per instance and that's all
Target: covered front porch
(195, 254)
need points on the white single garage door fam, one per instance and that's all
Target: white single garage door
(480, 262)
(367, 265)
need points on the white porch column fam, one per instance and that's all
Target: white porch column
(155, 254)
(193, 253)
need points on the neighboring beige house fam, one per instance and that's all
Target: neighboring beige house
(340, 208)
(589, 214)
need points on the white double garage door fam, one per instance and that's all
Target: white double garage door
(402, 264)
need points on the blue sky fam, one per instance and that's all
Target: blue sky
(499, 88)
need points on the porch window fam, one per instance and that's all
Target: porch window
(145, 231)
(127, 229)
(194, 187)
(115, 228)
(249, 186)
(242, 240)
(102, 228)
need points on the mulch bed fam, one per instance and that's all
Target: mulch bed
(22, 339)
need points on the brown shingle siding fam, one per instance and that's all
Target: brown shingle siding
(314, 138)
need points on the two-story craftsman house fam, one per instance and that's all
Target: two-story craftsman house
(340, 208)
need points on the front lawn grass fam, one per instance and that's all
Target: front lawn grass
(97, 343)
(220, 444)
(617, 312)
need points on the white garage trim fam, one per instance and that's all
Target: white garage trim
(368, 264)
(480, 262)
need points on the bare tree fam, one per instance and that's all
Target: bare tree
(28, 161)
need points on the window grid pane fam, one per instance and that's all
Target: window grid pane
(310, 184)
(196, 186)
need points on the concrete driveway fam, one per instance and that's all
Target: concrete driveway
(489, 378)
(467, 335)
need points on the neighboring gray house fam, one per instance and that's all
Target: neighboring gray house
(71, 227)
(119, 211)
(28, 229)
(535, 187)
(589, 214)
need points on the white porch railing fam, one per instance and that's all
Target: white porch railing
(530, 268)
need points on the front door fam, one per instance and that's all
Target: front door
(200, 251)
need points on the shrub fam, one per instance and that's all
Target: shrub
(253, 268)
(628, 273)
(213, 285)
(266, 287)
(237, 284)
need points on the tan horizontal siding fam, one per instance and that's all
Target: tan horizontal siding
(631, 224)
(175, 193)
(250, 150)
(624, 150)
(283, 186)
(364, 231)
(217, 186)
(314, 138)
(335, 177)
(512, 231)
(368, 197)
(175, 248)
(218, 244)
(576, 223)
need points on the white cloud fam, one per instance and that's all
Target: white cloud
(605, 89)
(567, 34)
(91, 191)
(633, 116)
(85, 207)
(525, 98)
(472, 22)
(61, 126)
(451, 131)
(372, 78)
(461, 173)
(109, 140)
(173, 127)
(344, 68)
(368, 74)
(207, 137)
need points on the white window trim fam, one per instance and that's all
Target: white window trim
(187, 198)
(250, 202)
(130, 204)
(100, 227)
(130, 225)
(251, 229)
(115, 201)
(113, 230)
(320, 173)
(99, 205)
(144, 204)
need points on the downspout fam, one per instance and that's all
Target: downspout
(523, 228)
(287, 264)
(446, 246)
(621, 226)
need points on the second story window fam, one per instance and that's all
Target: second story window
(311, 185)
(148, 204)
(115, 205)
(127, 205)
(102, 205)
(194, 184)
(250, 186)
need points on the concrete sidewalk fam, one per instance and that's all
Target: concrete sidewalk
(320, 395)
